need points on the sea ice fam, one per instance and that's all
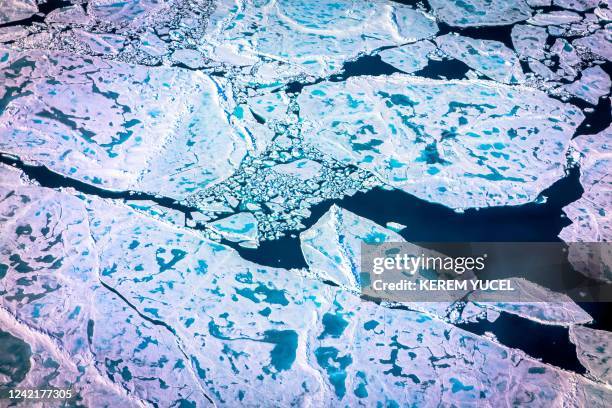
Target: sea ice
(115, 125)
(590, 215)
(465, 13)
(237, 227)
(594, 350)
(410, 57)
(459, 143)
(165, 315)
(599, 43)
(529, 41)
(593, 84)
(332, 246)
(15, 10)
(554, 18)
(315, 38)
(491, 58)
(578, 5)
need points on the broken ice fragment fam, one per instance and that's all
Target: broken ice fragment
(410, 57)
(190, 58)
(313, 38)
(490, 58)
(303, 169)
(590, 215)
(237, 227)
(599, 43)
(116, 125)
(332, 247)
(593, 84)
(594, 350)
(14, 10)
(578, 5)
(460, 143)
(529, 41)
(555, 18)
(465, 13)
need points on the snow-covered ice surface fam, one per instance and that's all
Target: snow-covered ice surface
(491, 58)
(410, 57)
(116, 125)
(465, 13)
(460, 143)
(309, 38)
(167, 317)
(590, 215)
(190, 137)
(593, 349)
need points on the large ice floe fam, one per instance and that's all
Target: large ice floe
(115, 125)
(310, 38)
(460, 143)
(466, 13)
(166, 317)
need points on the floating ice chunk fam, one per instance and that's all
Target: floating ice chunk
(237, 227)
(542, 70)
(157, 211)
(332, 247)
(539, 3)
(152, 44)
(593, 84)
(394, 226)
(578, 5)
(529, 41)
(569, 60)
(68, 15)
(526, 301)
(86, 338)
(460, 143)
(270, 105)
(190, 58)
(303, 169)
(12, 33)
(594, 350)
(410, 57)
(465, 13)
(15, 10)
(603, 14)
(555, 18)
(100, 44)
(590, 215)
(599, 43)
(490, 58)
(414, 25)
(115, 125)
(124, 12)
(314, 37)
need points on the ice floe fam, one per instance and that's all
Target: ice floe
(410, 57)
(465, 13)
(164, 315)
(590, 215)
(593, 84)
(594, 350)
(312, 38)
(116, 125)
(491, 58)
(459, 143)
(15, 10)
(529, 41)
